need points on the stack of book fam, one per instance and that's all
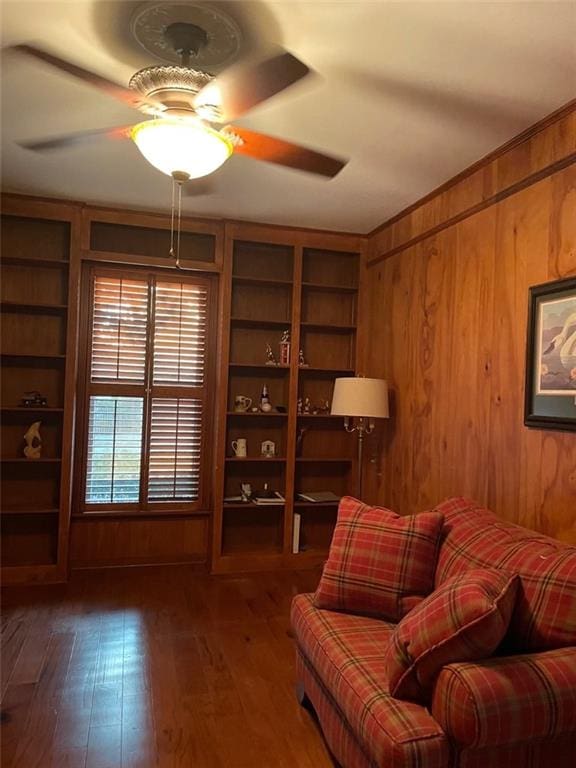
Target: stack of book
(319, 497)
(268, 497)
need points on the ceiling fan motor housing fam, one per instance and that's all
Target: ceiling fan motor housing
(172, 87)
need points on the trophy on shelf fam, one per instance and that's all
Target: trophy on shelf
(285, 348)
(301, 361)
(270, 357)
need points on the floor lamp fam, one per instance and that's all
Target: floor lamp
(362, 400)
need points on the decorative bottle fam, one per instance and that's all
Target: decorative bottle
(265, 400)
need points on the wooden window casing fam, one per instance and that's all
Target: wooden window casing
(148, 344)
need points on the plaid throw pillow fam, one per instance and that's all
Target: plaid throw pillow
(380, 564)
(463, 620)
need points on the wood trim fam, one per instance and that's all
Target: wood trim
(150, 219)
(69, 417)
(292, 398)
(39, 208)
(112, 257)
(225, 304)
(528, 181)
(32, 574)
(294, 236)
(525, 135)
(165, 514)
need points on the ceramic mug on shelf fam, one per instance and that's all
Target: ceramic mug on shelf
(242, 403)
(240, 447)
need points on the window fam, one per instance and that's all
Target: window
(147, 393)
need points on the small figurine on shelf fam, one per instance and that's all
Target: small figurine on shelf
(246, 491)
(33, 399)
(285, 348)
(307, 406)
(33, 449)
(268, 449)
(299, 406)
(301, 361)
(300, 439)
(265, 405)
(270, 357)
(326, 407)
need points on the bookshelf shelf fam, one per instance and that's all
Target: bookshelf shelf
(37, 308)
(253, 459)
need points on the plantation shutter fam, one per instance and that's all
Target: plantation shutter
(119, 329)
(175, 449)
(178, 362)
(146, 398)
(180, 318)
(114, 450)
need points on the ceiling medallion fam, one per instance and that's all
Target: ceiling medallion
(149, 22)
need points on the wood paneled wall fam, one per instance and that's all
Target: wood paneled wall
(447, 315)
(134, 541)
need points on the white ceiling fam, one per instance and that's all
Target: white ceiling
(411, 92)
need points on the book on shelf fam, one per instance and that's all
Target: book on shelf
(273, 497)
(297, 520)
(319, 497)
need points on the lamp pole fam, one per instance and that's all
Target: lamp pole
(362, 427)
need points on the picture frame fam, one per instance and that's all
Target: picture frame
(550, 391)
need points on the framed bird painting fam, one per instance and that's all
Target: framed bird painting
(550, 395)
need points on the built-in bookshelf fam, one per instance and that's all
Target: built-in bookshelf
(312, 294)
(34, 303)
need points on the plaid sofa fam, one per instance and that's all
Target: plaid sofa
(517, 708)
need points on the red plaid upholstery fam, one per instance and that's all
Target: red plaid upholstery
(464, 619)
(509, 700)
(556, 753)
(380, 564)
(344, 656)
(545, 613)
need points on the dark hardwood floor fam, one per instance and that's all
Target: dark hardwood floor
(154, 667)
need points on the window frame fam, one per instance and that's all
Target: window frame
(148, 390)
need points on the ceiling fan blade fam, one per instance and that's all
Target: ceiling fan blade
(60, 142)
(272, 150)
(119, 92)
(242, 87)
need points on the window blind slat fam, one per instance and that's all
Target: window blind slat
(119, 330)
(175, 449)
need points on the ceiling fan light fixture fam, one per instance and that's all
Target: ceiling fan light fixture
(182, 147)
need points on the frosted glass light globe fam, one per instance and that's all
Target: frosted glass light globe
(177, 146)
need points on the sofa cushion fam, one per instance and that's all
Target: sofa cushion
(380, 564)
(545, 612)
(464, 619)
(345, 653)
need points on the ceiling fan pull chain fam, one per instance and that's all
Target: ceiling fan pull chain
(171, 252)
(179, 230)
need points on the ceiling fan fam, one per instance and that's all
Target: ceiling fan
(186, 108)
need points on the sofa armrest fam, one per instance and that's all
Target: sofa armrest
(507, 700)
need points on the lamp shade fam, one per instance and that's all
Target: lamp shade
(181, 147)
(367, 398)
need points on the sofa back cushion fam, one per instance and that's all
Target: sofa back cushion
(545, 612)
(465, 619)
(380, 564)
